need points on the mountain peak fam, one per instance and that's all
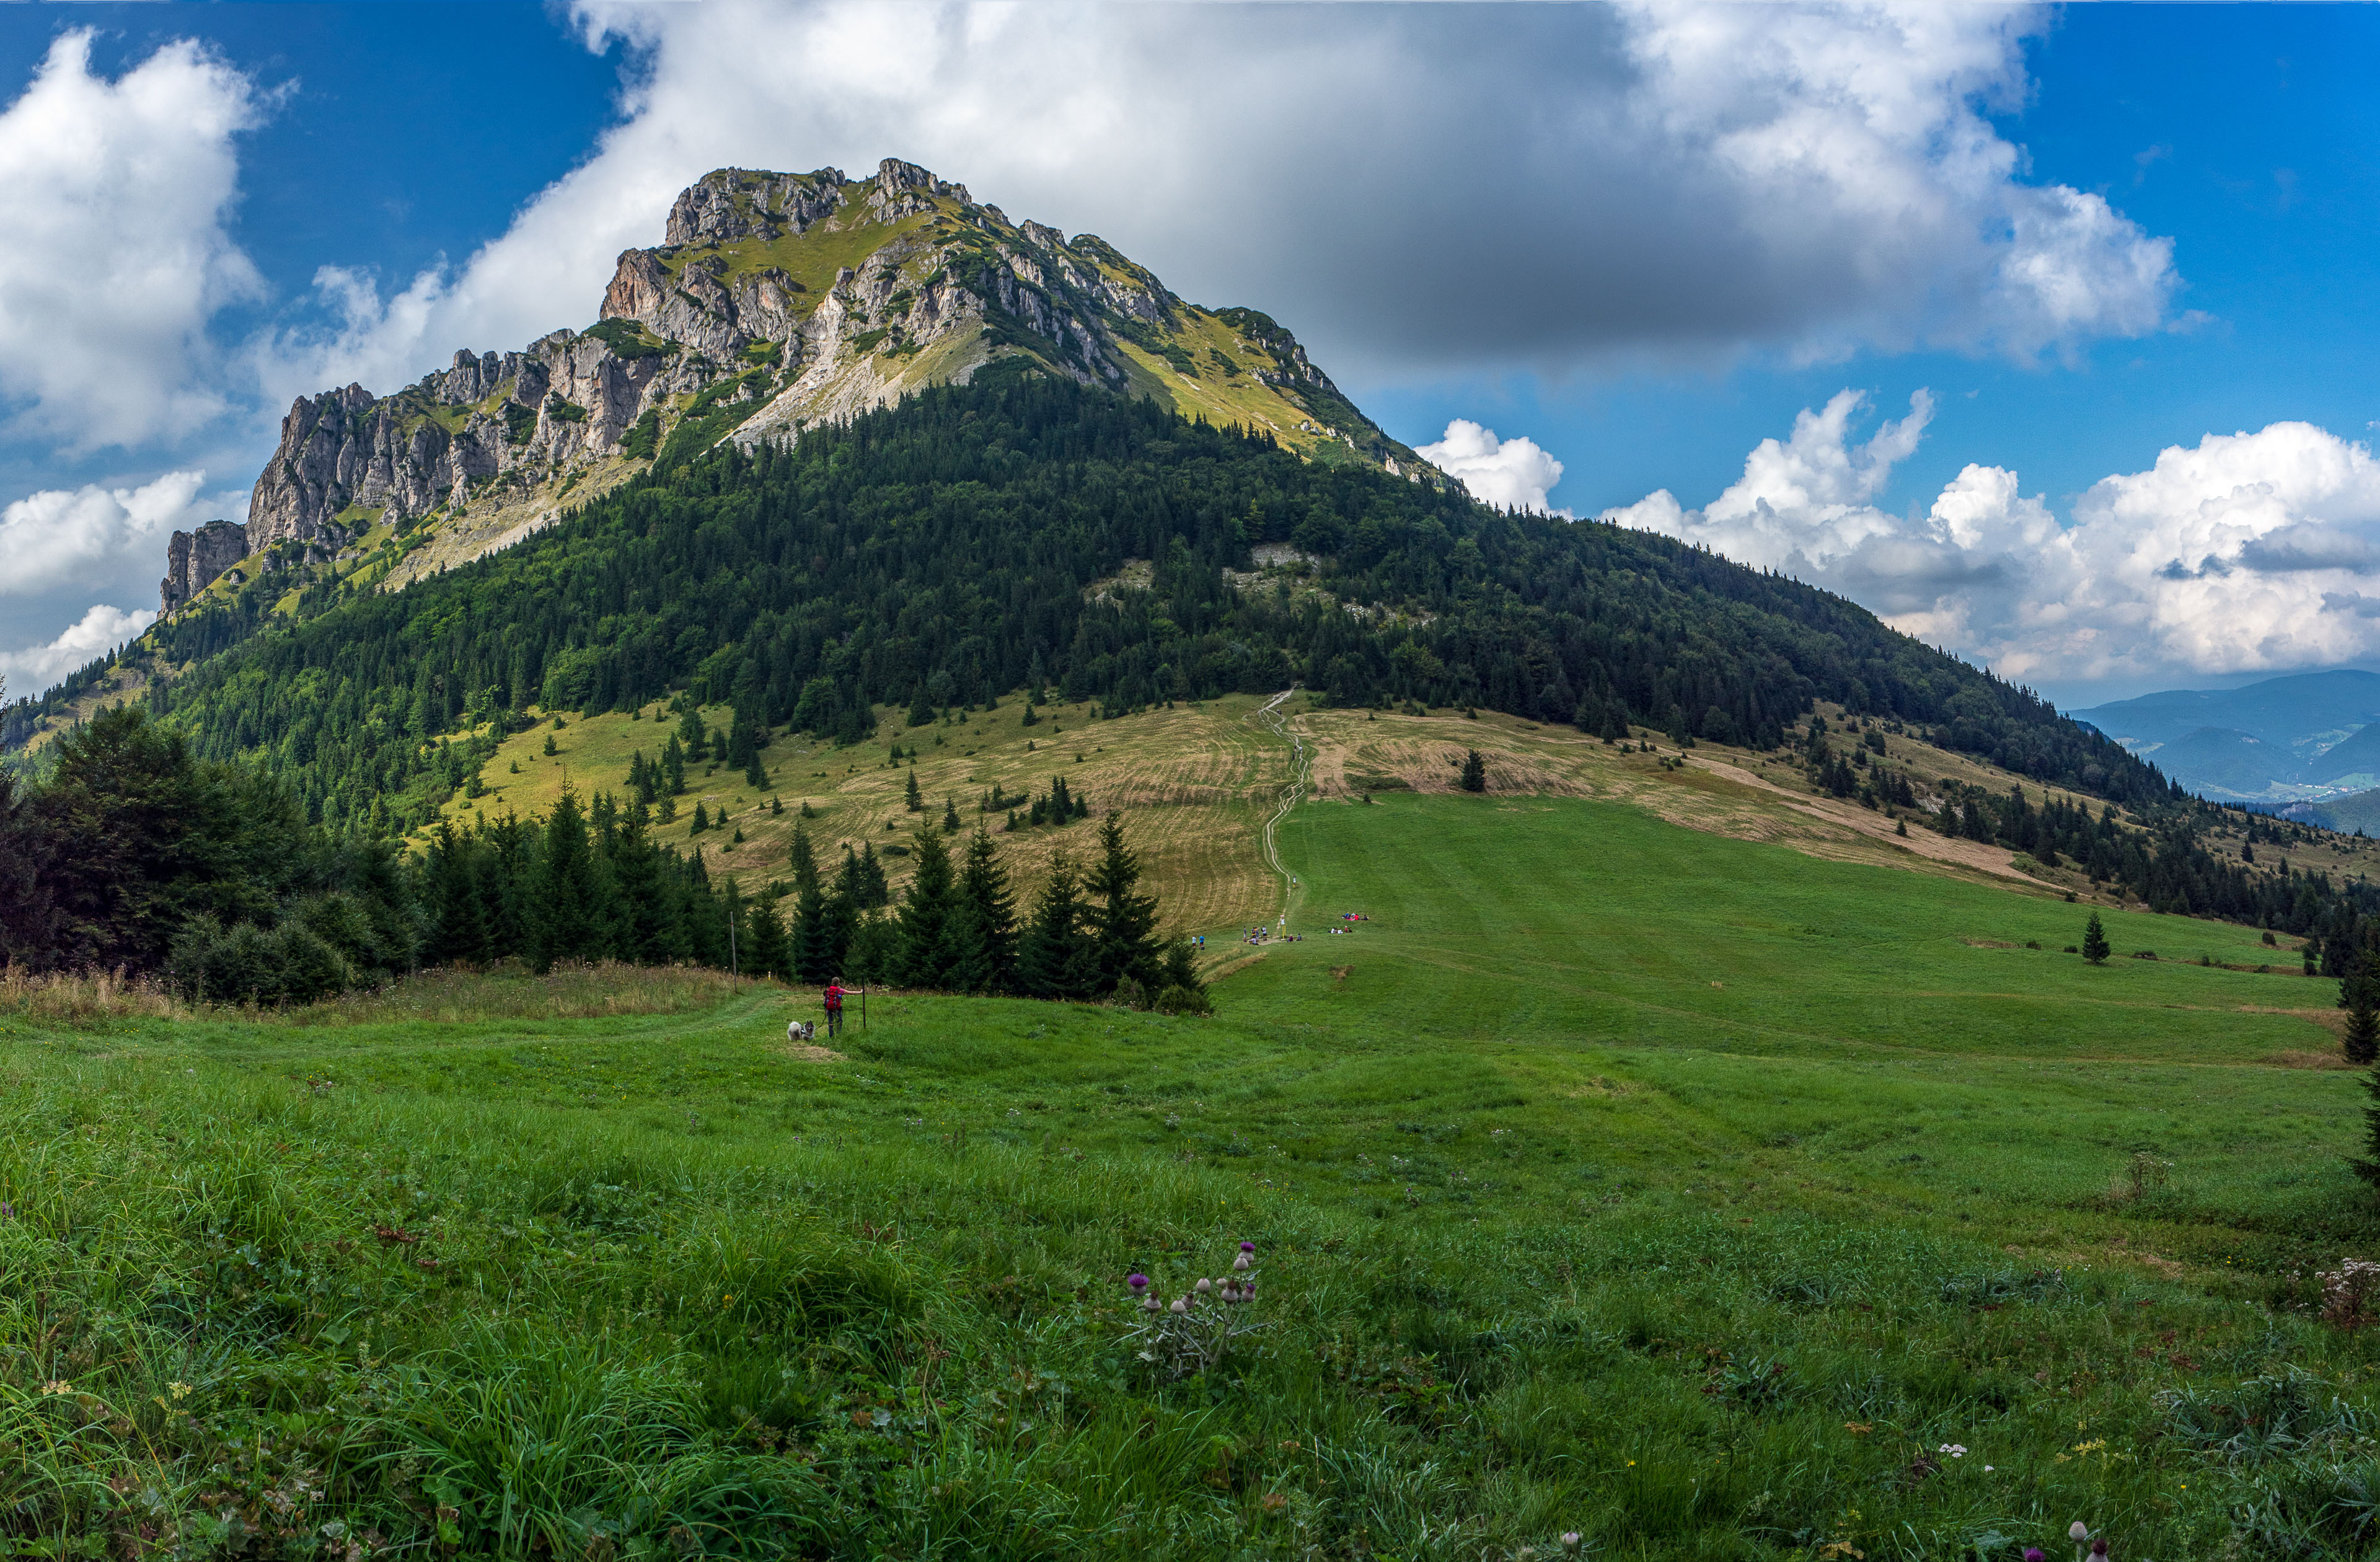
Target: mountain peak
(777, 301)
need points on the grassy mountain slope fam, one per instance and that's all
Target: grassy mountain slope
(1618, 1179)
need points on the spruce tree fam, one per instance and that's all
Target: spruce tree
(924, 957)
(950, 817)
(566, 902)
(770, 955)
(701, 820)
(1474, 772)
(914, 798)
(874, 894)
(2367, 1166)
(1122, 924)
(2362, 1041)
(2095, 942)
(2357, 994)
(922, 710)
(985, 931)
(1054, 959)
(811, 935)
(805, 861)
(642, 927)
(461, 933)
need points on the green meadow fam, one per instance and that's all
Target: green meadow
(1692, 1197)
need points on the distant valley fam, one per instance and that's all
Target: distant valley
(2307, 746)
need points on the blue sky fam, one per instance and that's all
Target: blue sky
(2093, 244)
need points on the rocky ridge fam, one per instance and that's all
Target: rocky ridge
(777, 301)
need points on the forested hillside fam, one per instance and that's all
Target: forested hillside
(950, 551)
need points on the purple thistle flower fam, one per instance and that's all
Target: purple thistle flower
(1248, 1247)
(2034, 1554)
(1138, 1283)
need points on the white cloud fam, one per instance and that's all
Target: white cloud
(89, 537)
(94, 635)
(115, 255)
(1410, 189)
(2248, 552)
(1512, 472)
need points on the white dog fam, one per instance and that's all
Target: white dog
(801, 1030)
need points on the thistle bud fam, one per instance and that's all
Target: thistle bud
(1570, 1540)
(1181, 1304)
(2099, 1548)
(1204, 1286)
(2077, 1532)
(1243, 1261)
(1150, 1304)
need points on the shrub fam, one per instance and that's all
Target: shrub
(1178, 999)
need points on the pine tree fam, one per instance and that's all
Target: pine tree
(1474, 772)
(1054, 959)
(922, 710)
(916, 800)
(1122, 924)
(2095, 942)
(701, 820)
(984, 932)
(926, 953)
(950, 817)
(673, 767)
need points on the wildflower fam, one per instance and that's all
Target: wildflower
(1570, 1540)
(1204, 1286)
(1248, 1247)
(178, 1390)
(55, 1385)
(1150, 1304)
(1181, 1304)
(2099, 1547)
(2034, 1554)
(1956, 1450)
(1138, 1283)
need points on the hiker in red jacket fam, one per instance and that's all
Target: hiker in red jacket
(834, 990)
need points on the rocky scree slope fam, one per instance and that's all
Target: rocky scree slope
(777, 301)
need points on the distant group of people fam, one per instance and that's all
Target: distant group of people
(1346, 918)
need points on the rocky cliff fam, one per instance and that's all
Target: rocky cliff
(778, 301)
(195, 560)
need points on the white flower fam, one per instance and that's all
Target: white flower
(1956, 1450)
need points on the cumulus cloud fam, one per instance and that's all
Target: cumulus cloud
(115, 256)
(100, 630)
(1414, 189)
(67, 538)
(2246, 552)
(1512, 472)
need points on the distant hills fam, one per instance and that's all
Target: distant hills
(2309, 739)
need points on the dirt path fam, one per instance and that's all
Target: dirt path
(1269, 715)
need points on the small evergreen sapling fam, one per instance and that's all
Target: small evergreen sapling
(1474, 772)
(2095, 942)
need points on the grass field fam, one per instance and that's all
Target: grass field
(1693, 1194)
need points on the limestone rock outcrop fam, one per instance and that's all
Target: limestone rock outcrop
(195, 560)
(777, 301)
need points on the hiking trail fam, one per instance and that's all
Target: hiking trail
(1273, 720)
